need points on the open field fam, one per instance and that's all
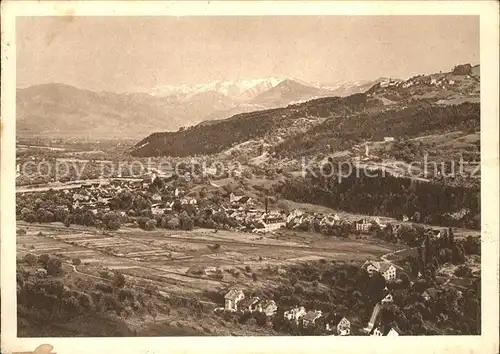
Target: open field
(164, 257)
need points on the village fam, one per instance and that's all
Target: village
(248, 176)
(132, 198)
(333, 323)
(243, 233)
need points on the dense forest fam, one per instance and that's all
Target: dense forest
(390, 196)
(214, 138)
(340, 132)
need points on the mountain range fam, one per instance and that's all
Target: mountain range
(62, 110)
(240, 89)
(434, 103)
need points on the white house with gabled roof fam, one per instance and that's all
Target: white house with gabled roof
(232, 298)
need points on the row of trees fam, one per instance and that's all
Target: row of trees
(389, 196)
(52, 265)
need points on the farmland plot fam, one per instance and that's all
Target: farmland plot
(164, 258)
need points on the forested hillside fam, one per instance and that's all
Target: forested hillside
(419, 119)
(390, 196)
(216, 137)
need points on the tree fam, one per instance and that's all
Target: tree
(151, 289)
(119, 280)
(71, 304)
(30, 217)
(202, 194)
(362, 278)
(85, 300)
(45, 215)
(405, 279)
(356, 299)
(30, 259)
(150, 225)
(88, 219)
(254, 277)
(54, 266)
(465, 329)
(298, 289)
(77, 261)
(43, 259)
(451, 236)
(141, 221)
(463, 272)
(186, 222)
(376, 286)
(177, 206)
(152, 310)
(260, 318)
(170, 222)
(77, 217)
(61, 214)
(159, 183)
(458, 254)
(141, 203)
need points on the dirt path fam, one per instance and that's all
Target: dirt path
(86, 274)
(384, 258)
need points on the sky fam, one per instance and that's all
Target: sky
(128, 54)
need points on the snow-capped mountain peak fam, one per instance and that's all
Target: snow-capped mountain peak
(236, 89)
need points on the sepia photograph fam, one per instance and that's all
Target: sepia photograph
(242, 175)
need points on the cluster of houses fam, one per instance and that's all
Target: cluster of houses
(386, 269)
(297, 218)
(335, 324)
(243, 209)
(390, 82)
(235, 301)
(97, 194)
(439, 81)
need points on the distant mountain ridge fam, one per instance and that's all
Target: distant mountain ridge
(290, 91)
(419, 103)
(64, 110)
(58, 109)
(241, 89)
